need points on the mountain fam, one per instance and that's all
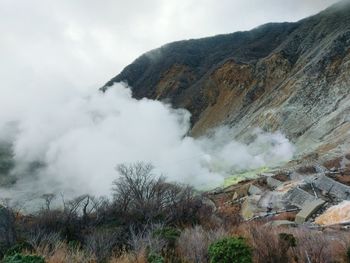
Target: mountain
(288, 77)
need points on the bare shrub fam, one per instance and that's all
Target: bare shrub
(101, 243)
(86, 206)
(70, 222)
(146, 241)
(181, 206)
(129, 257)
(62, 253)
(193, 243)
(322, 247)
(8, 231)
(42, 239)
(264, 241)
(48, 198)
(143, 197)
(310, 245)
(48, 220)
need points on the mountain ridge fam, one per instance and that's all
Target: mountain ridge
(292, 77)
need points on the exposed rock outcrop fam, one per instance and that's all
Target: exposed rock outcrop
(337, 214)
(292, 77)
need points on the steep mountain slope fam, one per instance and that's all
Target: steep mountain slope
(292, 77)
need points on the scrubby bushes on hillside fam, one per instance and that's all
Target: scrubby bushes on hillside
(193, 243)
(290, 245)
(102, 228)
(151, 220)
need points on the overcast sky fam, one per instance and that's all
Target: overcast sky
(83, 43)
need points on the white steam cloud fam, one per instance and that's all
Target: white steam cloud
(76, 142)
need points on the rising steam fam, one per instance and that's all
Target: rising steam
(74, 144)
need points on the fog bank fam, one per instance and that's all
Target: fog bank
(72, 144)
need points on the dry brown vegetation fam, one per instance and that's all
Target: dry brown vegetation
(150, 219)
(192, 246)
(310, 245)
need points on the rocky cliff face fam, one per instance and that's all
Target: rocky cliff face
(292, 77)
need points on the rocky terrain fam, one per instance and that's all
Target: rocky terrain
(311, 195)
(291, 77)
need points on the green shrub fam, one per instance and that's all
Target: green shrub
(20, 258)
(19, 248)
(348, 254)
(155, 258)
(230, 250)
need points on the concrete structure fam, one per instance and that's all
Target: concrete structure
(298, 197)
(272, 182)
(308, 209)
(332, 187)
(250, 207)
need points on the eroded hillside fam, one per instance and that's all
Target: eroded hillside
(292, 77)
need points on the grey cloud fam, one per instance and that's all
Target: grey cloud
(85, 42)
